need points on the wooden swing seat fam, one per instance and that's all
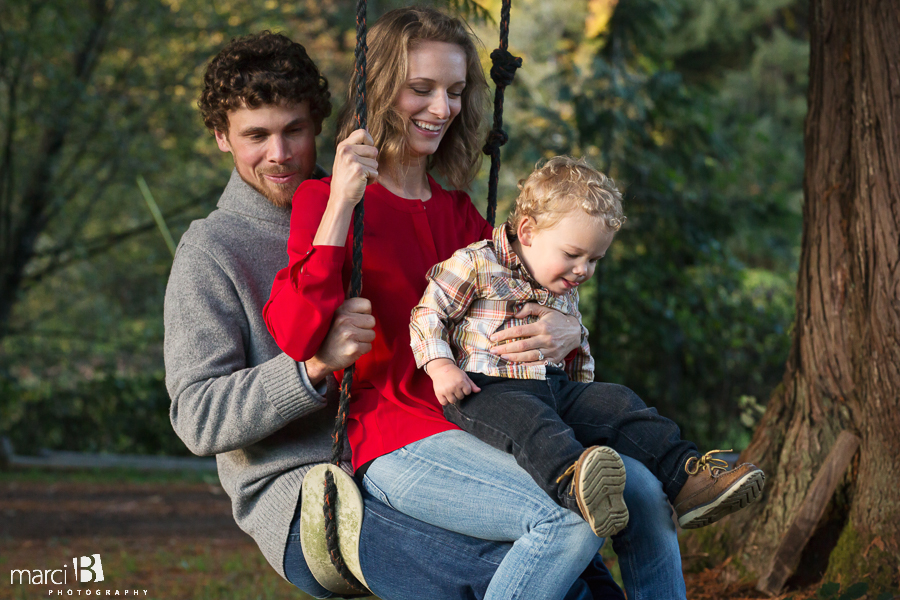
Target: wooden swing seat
(349, 522)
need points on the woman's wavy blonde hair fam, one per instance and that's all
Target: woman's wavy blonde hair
(561, 185)
(389, 41)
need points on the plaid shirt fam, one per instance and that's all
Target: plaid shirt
(476, 293)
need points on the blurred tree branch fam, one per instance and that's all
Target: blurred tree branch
(71, 251)
(27, 214)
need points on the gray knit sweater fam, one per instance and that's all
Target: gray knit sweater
(234, 394)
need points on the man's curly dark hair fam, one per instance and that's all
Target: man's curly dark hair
(258, 70)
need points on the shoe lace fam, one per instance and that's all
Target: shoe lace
(568, 472)
(714, 465)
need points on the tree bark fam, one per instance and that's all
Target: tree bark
(843, 372)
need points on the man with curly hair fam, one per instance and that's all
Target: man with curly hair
(265, 100)
(235, 395)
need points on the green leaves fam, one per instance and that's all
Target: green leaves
(692, 305)
(108, 413)
(695, 108)
(831, 591)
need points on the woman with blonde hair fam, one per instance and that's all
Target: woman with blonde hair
(426, 96)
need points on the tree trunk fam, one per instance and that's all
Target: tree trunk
(844, 368)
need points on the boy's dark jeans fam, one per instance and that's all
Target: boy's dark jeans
(546, 425)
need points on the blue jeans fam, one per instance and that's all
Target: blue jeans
(406, 559)
(647, 549)
(547, 424)
(457, 482)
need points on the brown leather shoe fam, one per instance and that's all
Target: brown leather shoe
(598, 480)
(713, 491)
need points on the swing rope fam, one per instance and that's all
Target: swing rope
(503, 70)
(340, 423)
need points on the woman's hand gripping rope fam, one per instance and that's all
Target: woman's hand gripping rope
(355, 166)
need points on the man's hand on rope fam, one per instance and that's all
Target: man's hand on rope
(355, 165)
(351, 335)
(548, 340)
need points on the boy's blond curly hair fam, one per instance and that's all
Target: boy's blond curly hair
(561, 185)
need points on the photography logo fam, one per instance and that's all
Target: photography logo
(90, 570)
(85, 570)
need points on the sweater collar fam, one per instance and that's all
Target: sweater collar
(240, 198)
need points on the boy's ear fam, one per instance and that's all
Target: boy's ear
(525, 231)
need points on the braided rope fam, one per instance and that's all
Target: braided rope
(340, 422)
(502, 72)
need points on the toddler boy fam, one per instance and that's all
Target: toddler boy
(562, 427)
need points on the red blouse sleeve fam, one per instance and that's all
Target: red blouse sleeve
(306, 294)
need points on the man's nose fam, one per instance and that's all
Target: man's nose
(279, 150)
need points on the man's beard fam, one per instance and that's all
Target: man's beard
(278, 194)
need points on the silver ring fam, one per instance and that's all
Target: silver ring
(540, 354)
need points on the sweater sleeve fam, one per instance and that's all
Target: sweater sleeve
(219, 403)
(451, 289)
(306, 293)
(581, 366)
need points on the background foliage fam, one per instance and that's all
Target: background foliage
(695, 108)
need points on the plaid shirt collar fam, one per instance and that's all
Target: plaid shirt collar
(508, 258)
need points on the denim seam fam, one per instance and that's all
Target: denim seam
(543, 511)
(631, 566)
(620, 434)
(436, 540)
(544, 514)
(500, 434)
(671, 480)
(521, 454)
(555, 406)
(521, 581)
(379, 493)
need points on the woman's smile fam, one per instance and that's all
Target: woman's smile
(428, 127)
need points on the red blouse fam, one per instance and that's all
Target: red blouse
(393, 402)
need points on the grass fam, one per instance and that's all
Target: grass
(169, 568)
(175, 571)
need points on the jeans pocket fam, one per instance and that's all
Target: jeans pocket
(376, 491)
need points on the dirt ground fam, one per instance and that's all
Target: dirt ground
(175, 540)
